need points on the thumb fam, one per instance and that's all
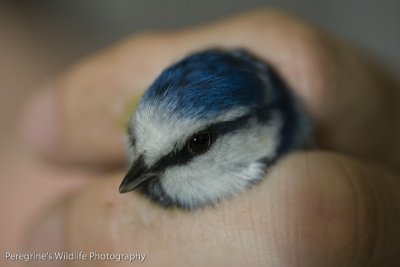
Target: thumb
(312, 209)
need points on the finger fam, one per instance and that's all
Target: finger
(313, 209)
(354, 107)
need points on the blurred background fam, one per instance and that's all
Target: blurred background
(39, 39)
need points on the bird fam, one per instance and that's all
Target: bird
(209, 127)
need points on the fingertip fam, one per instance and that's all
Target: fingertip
(333, 210)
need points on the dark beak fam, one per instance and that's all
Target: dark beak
(138, 173)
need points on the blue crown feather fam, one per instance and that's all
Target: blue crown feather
(206, 84)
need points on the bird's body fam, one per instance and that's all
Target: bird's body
(209, 127)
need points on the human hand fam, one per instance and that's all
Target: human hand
(314, 208)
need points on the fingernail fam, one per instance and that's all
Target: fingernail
(48, 238)
(41, 122)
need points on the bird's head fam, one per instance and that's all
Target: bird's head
(207, 128)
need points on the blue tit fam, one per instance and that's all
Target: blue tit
(209, 127)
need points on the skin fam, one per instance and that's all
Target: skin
(337, 206)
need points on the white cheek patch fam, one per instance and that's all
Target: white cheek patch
(193, 187)
(230, 165)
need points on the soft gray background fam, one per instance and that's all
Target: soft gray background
(371, 24)
(40, 39)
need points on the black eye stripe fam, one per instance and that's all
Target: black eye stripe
(180, 155)
(183, 156)
(225, 127)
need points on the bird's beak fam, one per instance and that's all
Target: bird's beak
(138, 173)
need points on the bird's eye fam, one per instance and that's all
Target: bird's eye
(199, 143)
